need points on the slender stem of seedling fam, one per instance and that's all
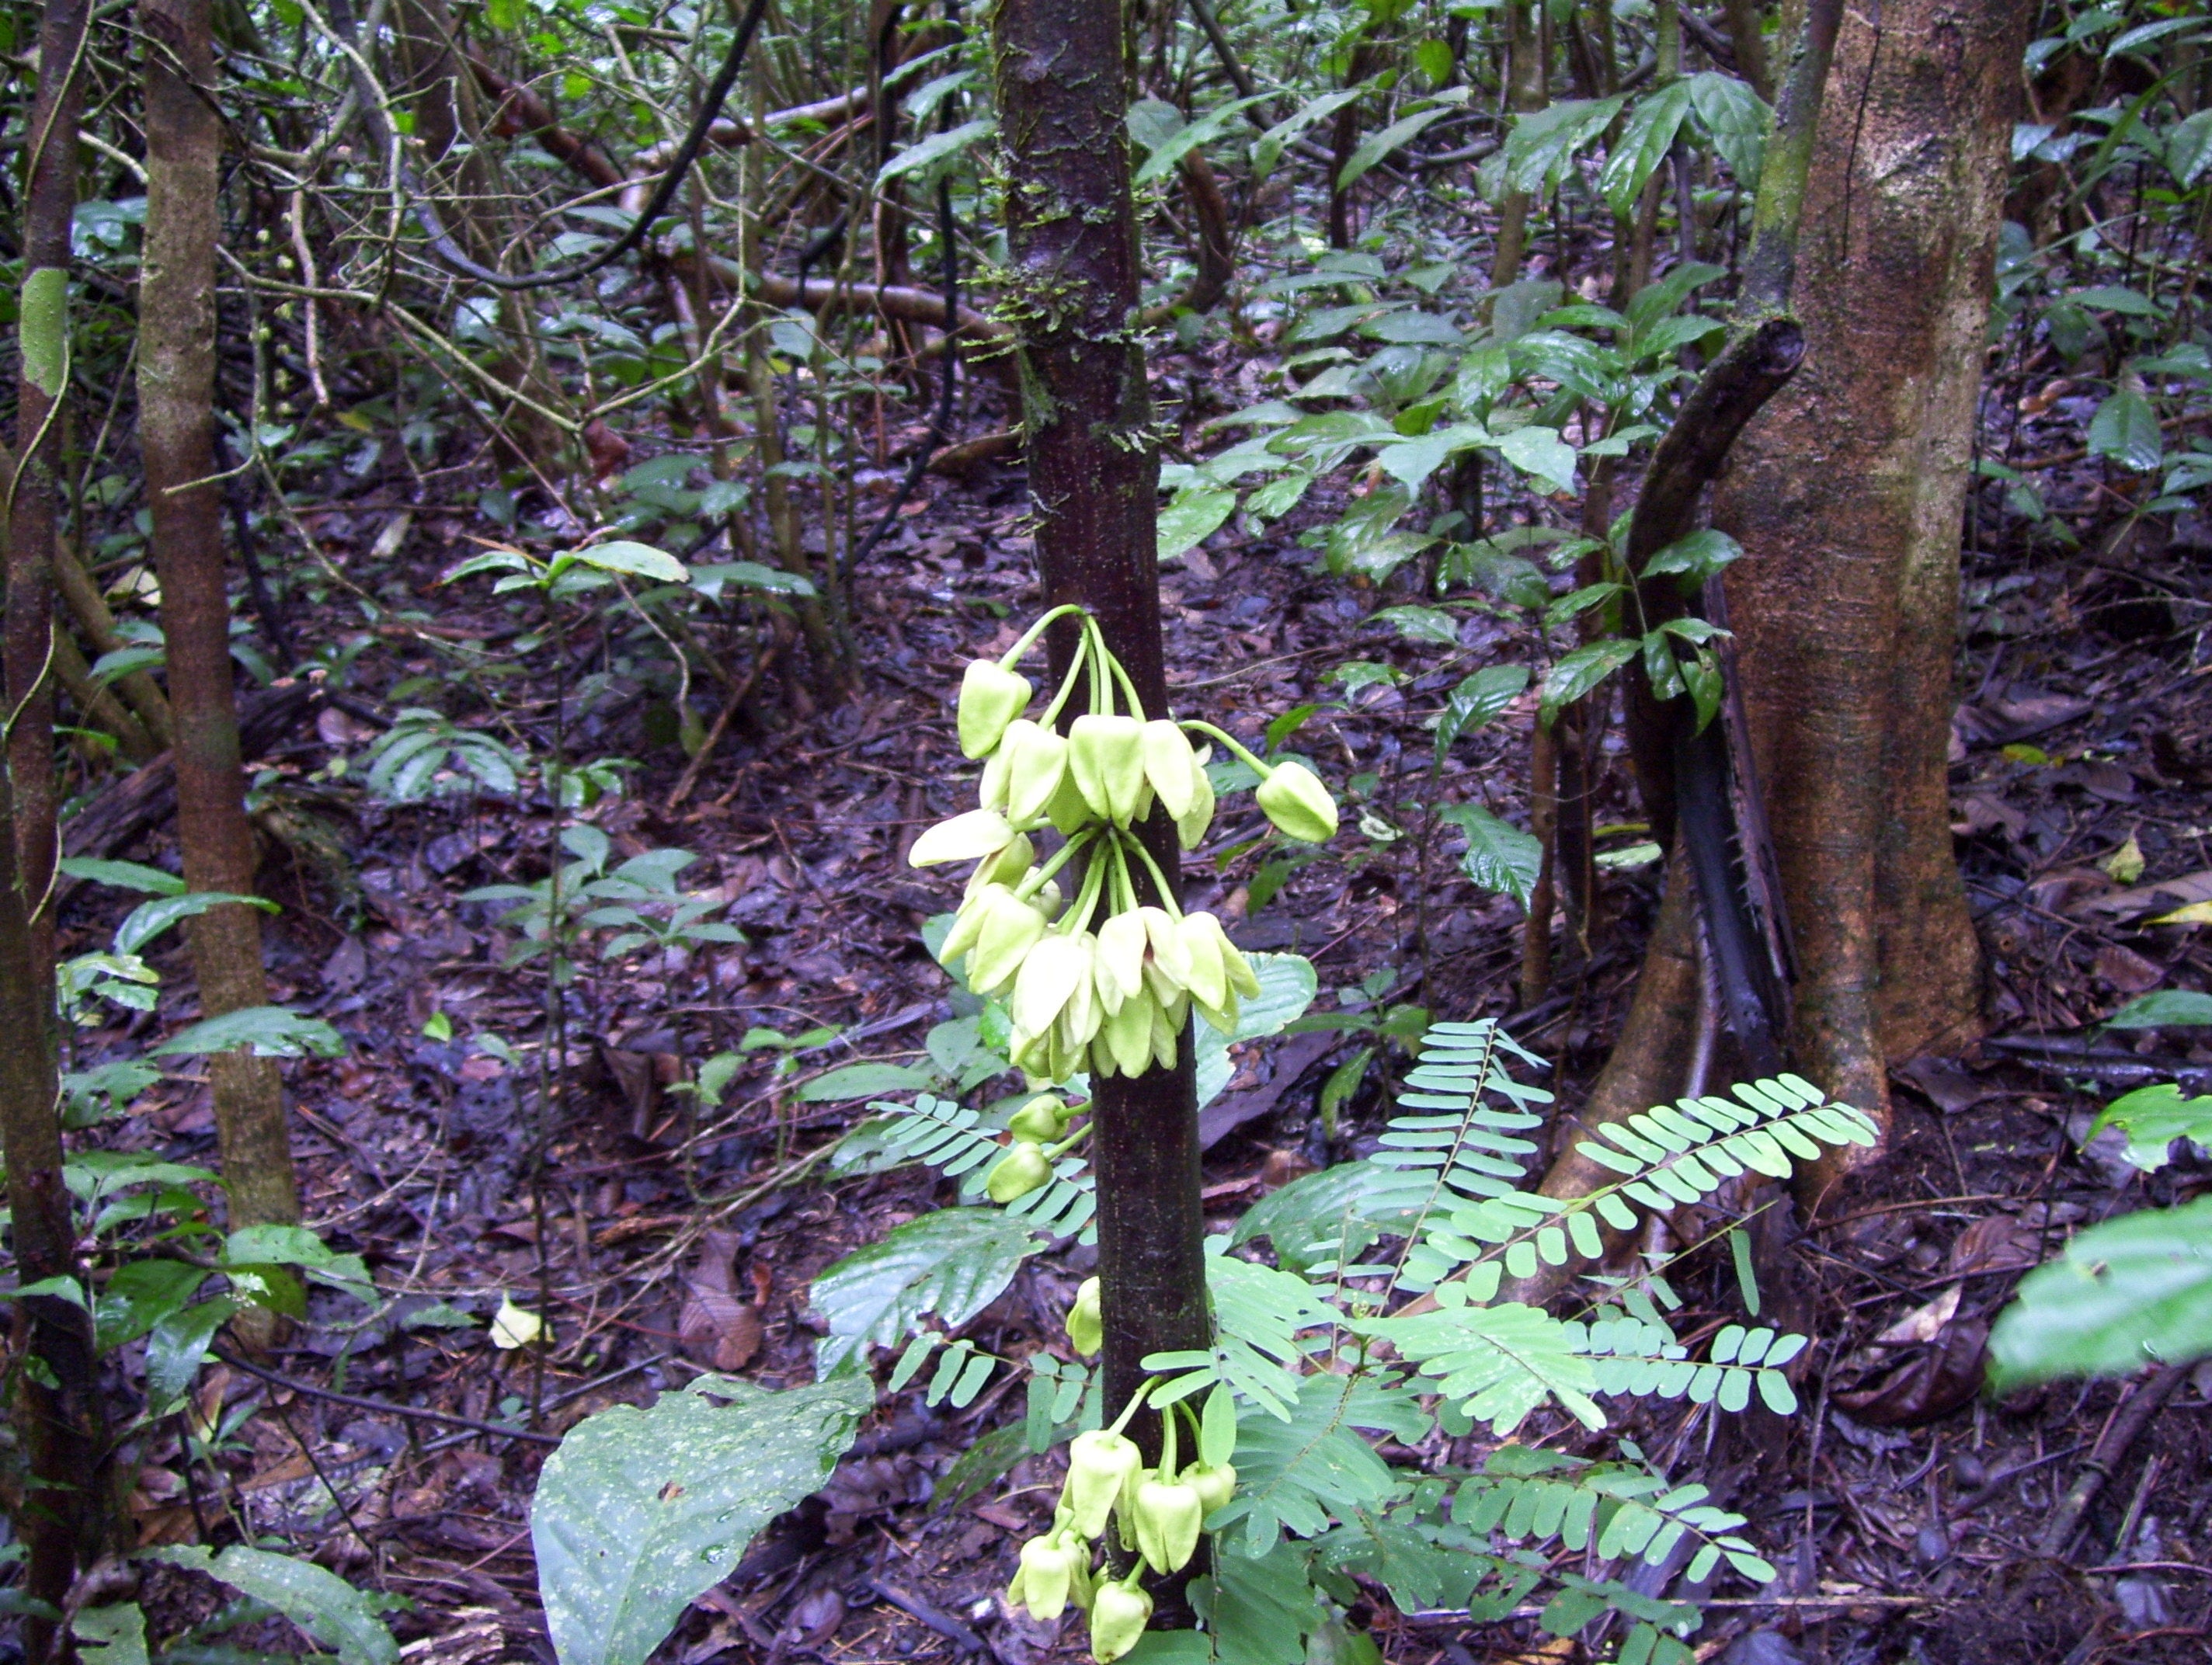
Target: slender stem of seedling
(1230, 740)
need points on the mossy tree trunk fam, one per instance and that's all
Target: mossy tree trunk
(176, 437)
(1073, 286)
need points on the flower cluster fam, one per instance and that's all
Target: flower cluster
(1108, 982)
(1158, 1513)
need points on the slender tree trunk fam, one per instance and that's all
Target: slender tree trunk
(1847, 493)
(34, 487)
(1073, 282)
(1526, 90)
(176, 437)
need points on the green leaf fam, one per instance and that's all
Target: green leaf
(1737, 118)
(2177, 1006)
(1578, 672)
(315, 1599)
(1171, 150)
(637, 559)
(1379, 144)
(640, 1510)
(176, 1348)
(1429, 625)
(42, 329)
(123, 875)
(149, 918)
(140, 1295)
(1259, 1610)
(1193, 515)
(270, 1030)
(118, 1634)
(1297, 1474)
(934, 149)
(1644, 143)
(1268, 150)
(2125, 429)
(2153, 1118)
(1696, 557)
(1501, 1362)
(1543, 143)
(952, 1263)
(2189, 149)
(1499, 856)
(1332, 1215)
(1541, 453)
(863, 1081)
(2129, 1293)
(1287, 986)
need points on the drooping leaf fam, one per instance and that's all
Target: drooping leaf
(635, 560)
(270, 1030)
(1288, 984)
(117, 1634)
(936, 148)
(952, 1263)
(1541, 454)
(2125, 429)
(315, 1598)
(1379, 144)
(1643, 145)
(149, 918)
(1696, 557)
(1171, 149)
(853, 1081)
(1478, 700)
(123, 875)
(1499, 855)
(1737, 118)
(640, 1510)
(1193, 515)
(1579, 671)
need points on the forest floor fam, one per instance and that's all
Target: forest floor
(661, 1237)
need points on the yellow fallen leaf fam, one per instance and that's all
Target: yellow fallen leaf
(514, 1327)
(2126, 863)
(2197, 912)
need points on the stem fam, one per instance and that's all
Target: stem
(1066, 682)
(1230, 740)
(1169, 898)
(1012, 656)
(1036, 882)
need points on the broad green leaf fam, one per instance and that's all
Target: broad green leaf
(863, 1081)
(315, 1599)
(118, 1634)
(140, 1295)
(1287, 984)
(640, 1510)
(177, 1346)
(934, 149)
(270, 1030)
(2125, 429)
(711, 581)
(1268, 150)
(2166, 1006)
(1171, 151)
(1540, 452)
(1411, 461)
(1579, 671)
(637, 560)
(1643, 145)
(123, 875)
(1737, 118)
(1696, 557)
(2132, 1293)
(1499, 856)
(149, 918)
(1544, 141)
(1380, 144)
(952, 1263)
(1193, 515)
(1478, 700)
(2153, 1118)
(1429, 624)
(2189, 149)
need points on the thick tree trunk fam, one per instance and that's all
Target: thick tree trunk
(176, 437)
(1846, 493)
(1072, 284)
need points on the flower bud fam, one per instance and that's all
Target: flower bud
(1170, 765)
(1036, 758)
(1107, 756)
(977, 833)
(1047, 1571)
(1170, 953)
(1044, 1117)
(1168, 1516)
(1056, 969)
(1020, 1171)
(1236, 971)
(1126, 1038)
(1099, 1464)
(1122, 944)
(1070, 812)
(1215, 1484)
(1168, 1021)
(991, 697)
(1119, 1613)
(1294, 799)
(1009, 929)
(1208, 981)
(1086, 1327)
(1009, 867)
(1191, 825)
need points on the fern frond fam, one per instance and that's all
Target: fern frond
(949, 1137)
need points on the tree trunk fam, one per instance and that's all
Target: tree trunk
(1847, 493)
(1526, 89)
(176, 437)
(1073, 282)
(33, 489)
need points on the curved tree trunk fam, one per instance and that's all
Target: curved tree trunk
(176, 437)
(1846, 493)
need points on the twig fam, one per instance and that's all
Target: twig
(738, 690)
(943, 1623)
(278, 1379)
(2120, 1433)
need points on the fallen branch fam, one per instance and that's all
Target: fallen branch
(2120, 1435)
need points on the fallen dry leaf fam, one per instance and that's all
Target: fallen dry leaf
(716, 1328)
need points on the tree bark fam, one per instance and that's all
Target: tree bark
(1073, 286)
(176, 437)
(1526, 89)
(33, 489)
(1847, 493)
